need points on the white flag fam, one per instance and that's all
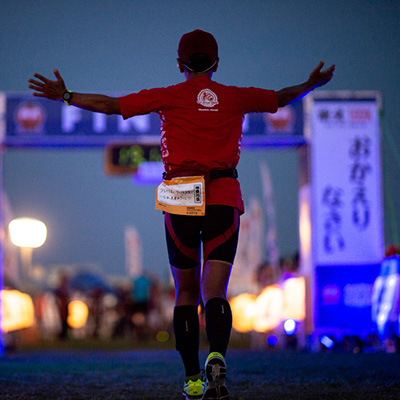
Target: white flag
(133, 252)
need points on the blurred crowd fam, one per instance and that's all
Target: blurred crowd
(268, 274)
(81, 303)
(84, 305)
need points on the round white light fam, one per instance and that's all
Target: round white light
(27, 232)
(289, 326)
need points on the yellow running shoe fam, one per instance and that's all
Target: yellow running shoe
(215, 367)
(194, 390)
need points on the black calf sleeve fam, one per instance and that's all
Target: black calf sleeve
(186, 329)
(218, 324)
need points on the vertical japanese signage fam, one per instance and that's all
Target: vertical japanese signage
(347, 243)
(346, 171)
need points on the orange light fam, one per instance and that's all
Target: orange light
(77, 314)
(18, 310)
(270, 308)
(243, 312)
(305, 227)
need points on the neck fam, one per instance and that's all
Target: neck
(194, 75)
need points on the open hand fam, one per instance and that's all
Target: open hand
(44, 87)
(320, 78)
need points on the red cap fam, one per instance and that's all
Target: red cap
(197, 42)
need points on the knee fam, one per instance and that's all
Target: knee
(215, 279)
(187, 286)
(211, 293)
(185, 296)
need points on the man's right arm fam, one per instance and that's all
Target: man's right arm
(96, 102)
(54, 90)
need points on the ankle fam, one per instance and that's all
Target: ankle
(192, 378)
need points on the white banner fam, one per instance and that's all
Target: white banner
(346, 182)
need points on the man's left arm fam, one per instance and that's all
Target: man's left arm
(316, 79)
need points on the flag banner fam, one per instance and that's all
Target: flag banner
(133, 252)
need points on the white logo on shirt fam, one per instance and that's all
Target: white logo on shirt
(207, 98)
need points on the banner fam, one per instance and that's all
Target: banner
(341, 216)
(30, 121)
(346, 176)
(344, 299)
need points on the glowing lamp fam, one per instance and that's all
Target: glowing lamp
(77, 314)
(274, 304)
(268, 309)
(18, 311)
(162, 336)
(272, 340)
(27, 232)
(327, 342)
(243, 312)
(290, 326)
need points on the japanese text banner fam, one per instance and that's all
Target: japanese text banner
(346, 173)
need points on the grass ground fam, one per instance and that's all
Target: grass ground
(89, 372)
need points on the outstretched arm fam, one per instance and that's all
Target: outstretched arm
(54, 90)
(317, 78)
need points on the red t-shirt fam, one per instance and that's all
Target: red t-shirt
(201, 127)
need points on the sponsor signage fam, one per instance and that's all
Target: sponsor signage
(29, 121)
(344, 298)
(26, 121)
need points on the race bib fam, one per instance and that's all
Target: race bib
(182, 195)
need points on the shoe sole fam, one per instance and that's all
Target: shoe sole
(187, 397)
(216, 374)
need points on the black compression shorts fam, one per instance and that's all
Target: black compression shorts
(218, 230)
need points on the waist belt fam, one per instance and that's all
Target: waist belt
(224, 173)
(213, 174)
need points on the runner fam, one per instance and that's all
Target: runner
(201, 132)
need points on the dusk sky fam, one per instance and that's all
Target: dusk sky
(125, 46)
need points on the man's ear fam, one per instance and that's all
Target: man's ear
(180, 65)
(215, 67)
